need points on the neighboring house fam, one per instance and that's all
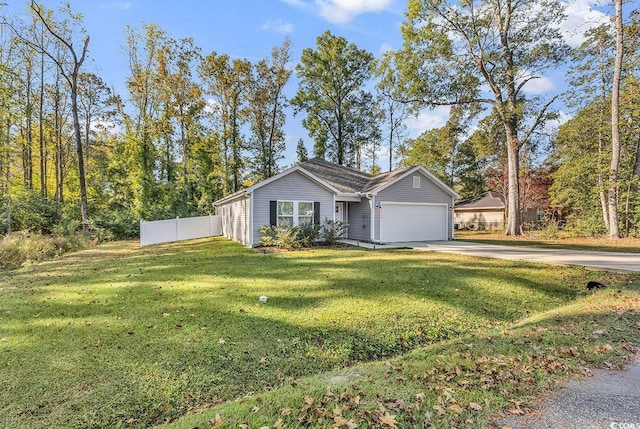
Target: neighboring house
(408, 204)
(488, 211)
(485, 211)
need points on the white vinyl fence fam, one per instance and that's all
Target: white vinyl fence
(166, 231)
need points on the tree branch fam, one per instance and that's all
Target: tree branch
(538, 121)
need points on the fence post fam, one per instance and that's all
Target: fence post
(177, 228)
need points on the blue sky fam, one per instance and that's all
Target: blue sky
(250, 28)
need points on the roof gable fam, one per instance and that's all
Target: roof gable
(396, 175)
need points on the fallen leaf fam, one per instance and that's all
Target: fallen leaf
(475, 407)
(456, 408)
(216, 422)
(388, 421)
(221, 341)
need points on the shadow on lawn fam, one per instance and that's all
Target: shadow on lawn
(308, 279)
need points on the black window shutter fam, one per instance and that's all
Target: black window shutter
(316, 213)
(273, 213)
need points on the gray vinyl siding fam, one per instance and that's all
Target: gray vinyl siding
(292, 187)
(360, 220)
(403, 192)
(235, 219)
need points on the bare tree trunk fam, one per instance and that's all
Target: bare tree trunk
(633, 186)
(8, 173)
(43, 152)
(84, 206)
(615, 127)
(601, 187)
(513, 197)
(27, 156)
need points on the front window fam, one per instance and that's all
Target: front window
(285, 213)
(295, 213)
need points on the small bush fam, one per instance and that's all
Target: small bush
(18, 248)
(551, 231)
(332, 231)
(289, 237)
(308, 234)
(284, 237)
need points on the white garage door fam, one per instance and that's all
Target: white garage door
(413, 222)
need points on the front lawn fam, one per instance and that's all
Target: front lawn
(123, 336)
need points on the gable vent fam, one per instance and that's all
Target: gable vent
(416, 182)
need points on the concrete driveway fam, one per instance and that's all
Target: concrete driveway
(603, 261)
(607, 400)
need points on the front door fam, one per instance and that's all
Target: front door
(340, 217)
(339, 212)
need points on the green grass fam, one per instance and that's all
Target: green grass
(123, 336)
(537, 239)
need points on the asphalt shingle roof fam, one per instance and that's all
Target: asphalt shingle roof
(347, 179)
(342, 178)
(487, 200)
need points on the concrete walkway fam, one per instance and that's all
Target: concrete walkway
(610, 399)
(606, 261)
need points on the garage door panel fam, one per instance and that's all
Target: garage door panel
(413, 222)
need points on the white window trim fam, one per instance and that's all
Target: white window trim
(416, 182)
(296, 214)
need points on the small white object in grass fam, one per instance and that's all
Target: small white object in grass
(263, 298)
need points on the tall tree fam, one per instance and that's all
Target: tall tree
(138, 151)
(393, 109)
(451, 49)
(69, 67)
(615, 125)
(266, 110)
(332, 79)
(590, 79)
(182, 103)
(228, 82)
(301, 152)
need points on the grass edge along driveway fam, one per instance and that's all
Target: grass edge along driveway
(122, 336)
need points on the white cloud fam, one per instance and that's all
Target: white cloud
(278, 26)
(296, 3)
(343, 11)
(427, 120)
(581, 16)
(116, 4)
(539, 85)
(553, 125)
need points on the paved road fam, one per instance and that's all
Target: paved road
(607, 261)
(608, 400)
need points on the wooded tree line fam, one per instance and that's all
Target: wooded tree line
(192, 127)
